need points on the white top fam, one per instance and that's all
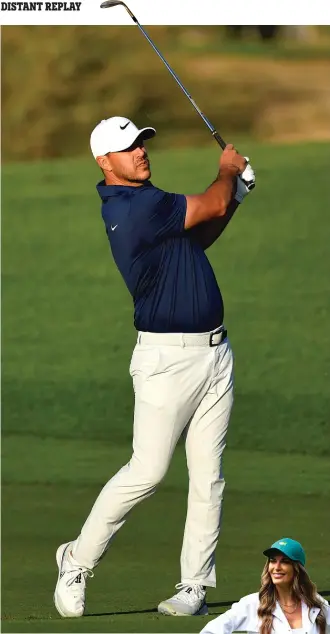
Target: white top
(243, 617)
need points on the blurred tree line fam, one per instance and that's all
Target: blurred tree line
(58, 82)
(267, 32)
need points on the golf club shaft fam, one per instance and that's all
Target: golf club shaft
(212, 129)
(174, 75)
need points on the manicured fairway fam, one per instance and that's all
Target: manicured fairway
(67, 396)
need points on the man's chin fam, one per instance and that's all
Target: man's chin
(143, 175)
(146, 174)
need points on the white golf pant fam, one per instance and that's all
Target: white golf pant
(182, 386)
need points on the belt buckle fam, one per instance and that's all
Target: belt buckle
(211, 344)
(223, 335)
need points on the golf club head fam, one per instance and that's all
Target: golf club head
(114, 3)
(110, 3)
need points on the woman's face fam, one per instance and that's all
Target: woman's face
(281, 570)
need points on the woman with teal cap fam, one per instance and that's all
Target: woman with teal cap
(286, 602)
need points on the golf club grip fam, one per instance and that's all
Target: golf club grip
(219, 139)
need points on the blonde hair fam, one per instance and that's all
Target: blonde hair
(303, 589)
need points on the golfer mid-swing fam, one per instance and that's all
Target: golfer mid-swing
(182, 364)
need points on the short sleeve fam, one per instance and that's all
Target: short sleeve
(161, 215)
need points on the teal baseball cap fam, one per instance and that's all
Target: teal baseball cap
(289, 547)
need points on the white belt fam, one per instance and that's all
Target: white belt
(209, 339)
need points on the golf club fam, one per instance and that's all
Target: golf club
(216, 135)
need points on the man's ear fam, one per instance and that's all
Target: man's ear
(104, 163)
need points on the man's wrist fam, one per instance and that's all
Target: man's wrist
(229, 171)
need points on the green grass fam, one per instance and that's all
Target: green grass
(67, 396)
(45, 504)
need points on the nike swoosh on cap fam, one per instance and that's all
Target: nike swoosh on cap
(122, 127)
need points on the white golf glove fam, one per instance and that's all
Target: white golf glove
(245, 182)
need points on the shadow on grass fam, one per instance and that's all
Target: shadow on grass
(221, 604)
(154, 610)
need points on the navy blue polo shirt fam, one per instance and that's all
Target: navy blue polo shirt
(166, 271)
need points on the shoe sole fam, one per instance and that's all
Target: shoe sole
(168, 610)
(60, 553)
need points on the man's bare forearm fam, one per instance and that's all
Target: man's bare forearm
(224, 186)
(213, 203)
(208, 232)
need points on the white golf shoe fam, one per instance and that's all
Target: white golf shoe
(189, 601)
(69, 596)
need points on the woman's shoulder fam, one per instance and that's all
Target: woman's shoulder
(325, 607)
(322, 599)
(250, 599)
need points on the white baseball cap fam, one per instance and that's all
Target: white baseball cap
(115, 135)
